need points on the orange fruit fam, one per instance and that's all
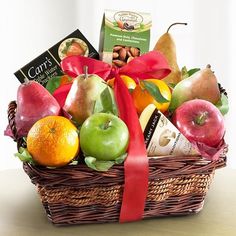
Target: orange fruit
(142, 98)
(129, 82)
(53, 141)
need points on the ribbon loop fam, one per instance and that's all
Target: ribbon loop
(150, 65)
(74, 66)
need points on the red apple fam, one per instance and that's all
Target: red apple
(200, 121)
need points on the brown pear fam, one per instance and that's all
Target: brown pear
(166, 46)
(202, 85)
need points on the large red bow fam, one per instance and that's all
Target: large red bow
(149, 65)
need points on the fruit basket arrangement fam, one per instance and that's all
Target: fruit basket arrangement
(127, 137)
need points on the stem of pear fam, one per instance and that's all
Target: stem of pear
(177, 23)
(86, 72)
(208, 66)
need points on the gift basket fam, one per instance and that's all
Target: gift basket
(124, 138)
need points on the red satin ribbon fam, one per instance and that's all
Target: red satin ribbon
(149, 65)
(136, 164)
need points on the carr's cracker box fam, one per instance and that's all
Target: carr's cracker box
(124, 36)
(47, 65)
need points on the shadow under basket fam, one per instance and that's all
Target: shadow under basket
(76, 194)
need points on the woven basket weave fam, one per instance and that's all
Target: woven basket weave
(80, 195)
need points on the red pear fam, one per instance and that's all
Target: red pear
(33, 103)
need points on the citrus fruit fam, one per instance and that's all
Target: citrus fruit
(129, 82)
(142, 97)
(53, 141)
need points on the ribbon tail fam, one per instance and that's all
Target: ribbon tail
(136, 165)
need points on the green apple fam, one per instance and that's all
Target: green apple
(104, 136)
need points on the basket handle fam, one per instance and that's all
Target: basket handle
(12, 124)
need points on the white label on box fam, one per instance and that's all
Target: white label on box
(163, 138)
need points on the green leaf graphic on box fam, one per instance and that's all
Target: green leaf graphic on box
(24, 156)
(223, 104)
(68, 43)
(115, 24)
(154, 91)
(53, 83)
(94, 164)
(64, 51)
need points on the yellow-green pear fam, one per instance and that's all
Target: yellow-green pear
(84, 97)
(166, 46)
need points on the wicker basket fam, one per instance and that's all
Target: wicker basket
(79, 195)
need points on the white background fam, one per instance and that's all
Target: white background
(29, 27)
